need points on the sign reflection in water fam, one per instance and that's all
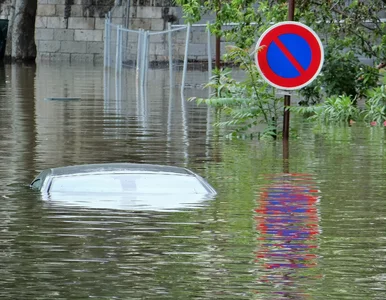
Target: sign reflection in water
(287, 223)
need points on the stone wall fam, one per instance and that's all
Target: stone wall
(154, 15)
(151, 14)
(5, 9)
(71, 30)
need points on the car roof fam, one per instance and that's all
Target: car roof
(117, 167)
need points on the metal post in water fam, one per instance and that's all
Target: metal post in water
(109, 39)
(106, 38)
(117, 64)
(170, 55)
(139, 52)
(118, 77)
(127, 13)
(138, 70)
(147, 37)
(185, 58)
(142, 71)
(121, 49)
(106, 85)
(143, 62)
(117, 47)
(209, 54)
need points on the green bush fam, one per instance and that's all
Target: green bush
(348, 31)
(246, 103)
(375, 109)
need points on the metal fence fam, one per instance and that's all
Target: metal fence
(140, 49)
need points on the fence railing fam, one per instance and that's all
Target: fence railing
(138, 49)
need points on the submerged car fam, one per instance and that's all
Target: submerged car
(123, 186)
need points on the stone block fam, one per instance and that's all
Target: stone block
(118, 12)
(152, 58)
(42, 1)
(56, 22)
(129, 50)
(41, 22)
(199, 37)
(149, 3)
(167, 3)
(159, 38)
(157, 24)
(149, 12)
(98, 59)
(60, 10)
(141, 24)
(64, 34)
(64, 57)
(81, 23)
(56, 2)
(42, 56)
(113, 36)
(44, 34)
(129, 38)
(179, 37)
(201, 58)
(161, 50)
(152, 48)
(46, 10)
(198, 49)
(73, 47)
(179, 51)
(99, 23)
(48, 46)
(88, 35)
(95, 47)
(118, 21)
(176, 10)
(82, 58)
(77, 11)
(130, 58)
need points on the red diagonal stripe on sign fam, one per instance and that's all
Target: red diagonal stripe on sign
(289, 55)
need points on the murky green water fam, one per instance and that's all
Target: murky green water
(317, 231)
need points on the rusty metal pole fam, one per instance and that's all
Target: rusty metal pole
(287, 103)
(287, 98)
(291, 10)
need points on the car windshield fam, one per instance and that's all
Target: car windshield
(131, 183)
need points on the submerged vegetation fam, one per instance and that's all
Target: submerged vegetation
(246, 103)
(344, 110)
(347, 90)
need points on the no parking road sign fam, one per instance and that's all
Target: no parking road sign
(291, 55)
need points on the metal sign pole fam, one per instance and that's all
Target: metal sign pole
(287, 98)
(287, 103)
(291, 10)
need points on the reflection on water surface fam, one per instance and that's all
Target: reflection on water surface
(317, 232)
(288, 228)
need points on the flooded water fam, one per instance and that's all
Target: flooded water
(314, 228)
